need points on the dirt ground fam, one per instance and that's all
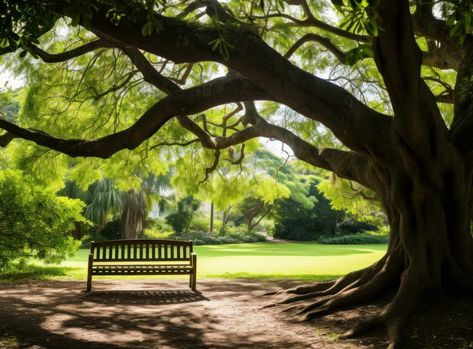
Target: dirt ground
(223, 314)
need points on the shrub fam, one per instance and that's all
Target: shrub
(199, 224)
(181, 219)
(34, 222)
(351, 226)
(293, 229)
(152, 233)
(355, 239)
(206, 238)
(112, 230)
(295, 221)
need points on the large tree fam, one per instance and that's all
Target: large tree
(412, 153)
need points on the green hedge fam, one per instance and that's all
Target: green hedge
(355, 239)
(205, 238)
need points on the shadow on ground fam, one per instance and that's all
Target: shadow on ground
(145, 314)
(223, 314)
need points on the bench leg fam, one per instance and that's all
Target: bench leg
(89, 273)
(193, 279)
(89, 283)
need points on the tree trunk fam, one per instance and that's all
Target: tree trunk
(428, 205)
(131, 222)
(130, 225)
(77, 232)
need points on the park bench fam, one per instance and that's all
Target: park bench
(142, 257)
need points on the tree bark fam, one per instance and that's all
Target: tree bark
(428, 205)
(132, 222)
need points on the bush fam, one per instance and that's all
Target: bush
(206, 238)
(152, 233)
(351, 226)
(199, 224)
(295, 221)
(292, 229)
(355, 239)
(181, 219)
(34, 222)
(112, 230)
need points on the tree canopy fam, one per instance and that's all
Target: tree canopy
(376, 91)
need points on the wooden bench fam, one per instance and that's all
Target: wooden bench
(127, 257)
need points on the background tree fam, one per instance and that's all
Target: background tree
(182, 218)
(296, 220)
(105, 203)
(165, 61)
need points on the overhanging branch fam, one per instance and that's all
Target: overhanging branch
(67, 55)
(312, 97)
(194, 100)
(150, 74)
(321, 40)
(345, 164)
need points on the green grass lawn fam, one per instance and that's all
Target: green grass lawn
(257, 260)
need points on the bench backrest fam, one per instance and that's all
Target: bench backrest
(141, 250)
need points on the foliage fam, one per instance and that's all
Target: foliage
(9, 106)
(153, 233)
(258, 204)
(111, 230)
(34, 223)
(206, 238)
(181, 219)
(296, 222)
(354, 239)
(352, 226)
(352, 198)
(250, 212)
(104, 200)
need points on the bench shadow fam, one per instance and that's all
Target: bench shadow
(149, 297)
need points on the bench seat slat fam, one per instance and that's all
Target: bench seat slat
(142, 260)
(141, 269)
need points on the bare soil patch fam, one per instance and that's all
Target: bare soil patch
(223, 314)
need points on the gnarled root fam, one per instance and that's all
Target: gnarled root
(364, 286)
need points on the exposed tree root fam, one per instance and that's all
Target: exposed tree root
(364, 286)
(364, 325)
(317, 287)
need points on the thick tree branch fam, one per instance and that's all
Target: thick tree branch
(67, 55)
(312, 21)
(312, 97)
(462, 124)
(442, 57)
(345, 164)
(447, 97)
(426, 25)
(150, 74)
(190, 101)
(417, 119)
(321, 40)
(6, 138)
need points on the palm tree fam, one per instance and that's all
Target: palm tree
(131, 206)
(103, 200)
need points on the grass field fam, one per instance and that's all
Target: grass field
(257, 260)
